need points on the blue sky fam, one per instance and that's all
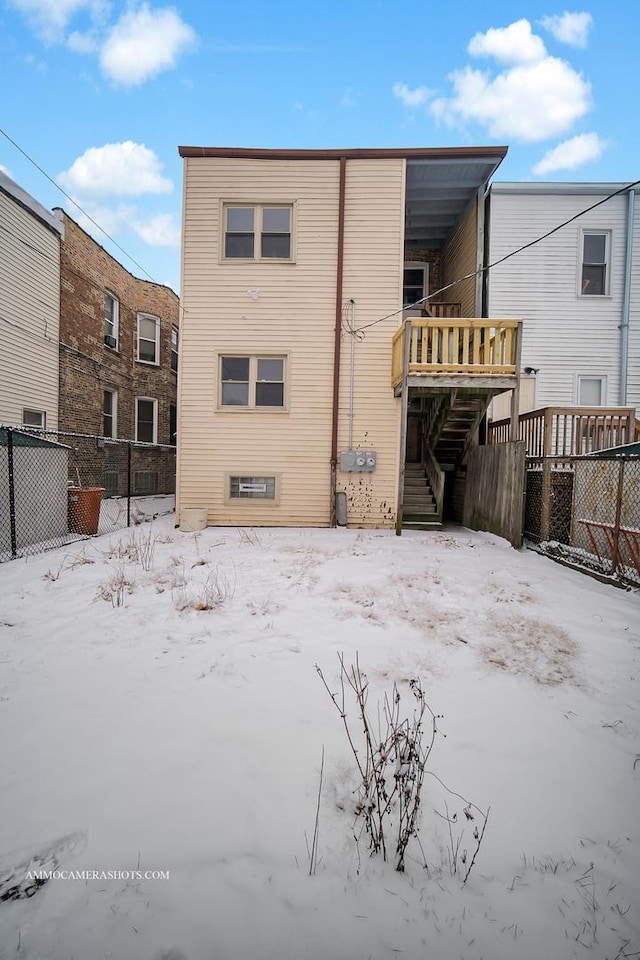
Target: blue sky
(101, 93)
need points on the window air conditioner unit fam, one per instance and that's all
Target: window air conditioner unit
(110, 341)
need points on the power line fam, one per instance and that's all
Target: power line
(76, 204)
(490, 266)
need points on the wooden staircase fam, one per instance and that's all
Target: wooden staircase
(419, 506)
(457, 429)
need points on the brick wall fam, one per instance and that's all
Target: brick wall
(88, 366)
(434, 259)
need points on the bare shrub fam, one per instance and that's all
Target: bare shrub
(211, 594)
(116, 587)
(391, 766)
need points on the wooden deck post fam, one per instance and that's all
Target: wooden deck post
(515, 395)
(545, 519)
(404, 411)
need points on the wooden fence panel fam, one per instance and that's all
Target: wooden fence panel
(494, 495)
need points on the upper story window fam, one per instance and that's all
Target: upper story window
(252, 382)
(175, 337)
(257, 232)
(596, 253)
(148, 339)
(415, 282)
(111, 317)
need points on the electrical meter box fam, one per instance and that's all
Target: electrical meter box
(358, 461)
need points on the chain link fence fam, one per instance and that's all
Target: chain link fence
(586, 510)
(58, 487)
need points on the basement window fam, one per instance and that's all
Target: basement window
(252, 487)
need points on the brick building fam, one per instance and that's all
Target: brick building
(118, 362)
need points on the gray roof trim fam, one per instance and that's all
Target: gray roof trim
(50, 220)
(586, 189)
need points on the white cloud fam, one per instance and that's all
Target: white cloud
(51, 17)
(161, 230)
(143, 43)
(529, 101)
(513, 44)
(570, 28)
(571, 154)
(411, 98)
(83, 42)
(116, 169)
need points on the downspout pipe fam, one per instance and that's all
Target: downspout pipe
(626, 302)
(337, 340)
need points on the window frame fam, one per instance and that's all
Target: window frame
(175, 344)
(114, 413)
(156, 320)
(252, 475)
(154, 401)
(422, 265)
(595, 232)
(115, 322)
(39, 413)
(258, 215)
(173, 422)
(251, 406)
(603, 388)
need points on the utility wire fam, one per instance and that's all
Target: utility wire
(76, 204)
(490, 266)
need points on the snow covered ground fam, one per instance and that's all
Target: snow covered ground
(161, 711)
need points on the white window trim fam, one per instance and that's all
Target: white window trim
(156, 320)
(253, 370)
(174, 351)
(607, 274)
(38, 413)
(591, 376)
(257, 230)
(155, 418)
(254, 501)
(114, 413)
(116, 320)
(417, 265)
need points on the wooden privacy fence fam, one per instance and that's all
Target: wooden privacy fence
(494, 491)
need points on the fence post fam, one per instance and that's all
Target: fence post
(129, 483)
(12, 496)
(616, 524)
(545, 520)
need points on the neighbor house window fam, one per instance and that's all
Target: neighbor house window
(251, 487)
(591, 391)
(146, 420)
(257, 232)
(148, 339)
(109, 413)
(34, 418)
(415, 282)
(173, 424)
(174, 348)
(111, 317)
(594, 281)
(252, 382)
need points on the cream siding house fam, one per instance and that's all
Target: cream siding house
(29, 308)
(577, 291)
(292, 284)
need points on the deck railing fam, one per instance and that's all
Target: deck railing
(467, 347)
(568, 431)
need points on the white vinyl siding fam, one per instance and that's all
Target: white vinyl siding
(30, 299)
(564, 334)
(288, 309)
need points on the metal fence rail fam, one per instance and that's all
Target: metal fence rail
(587, 510)
(57, 487)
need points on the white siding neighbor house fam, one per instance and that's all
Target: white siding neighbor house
(30, 239)
(312, 388)
(577, 291)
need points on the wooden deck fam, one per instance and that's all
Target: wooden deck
(569, 431)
